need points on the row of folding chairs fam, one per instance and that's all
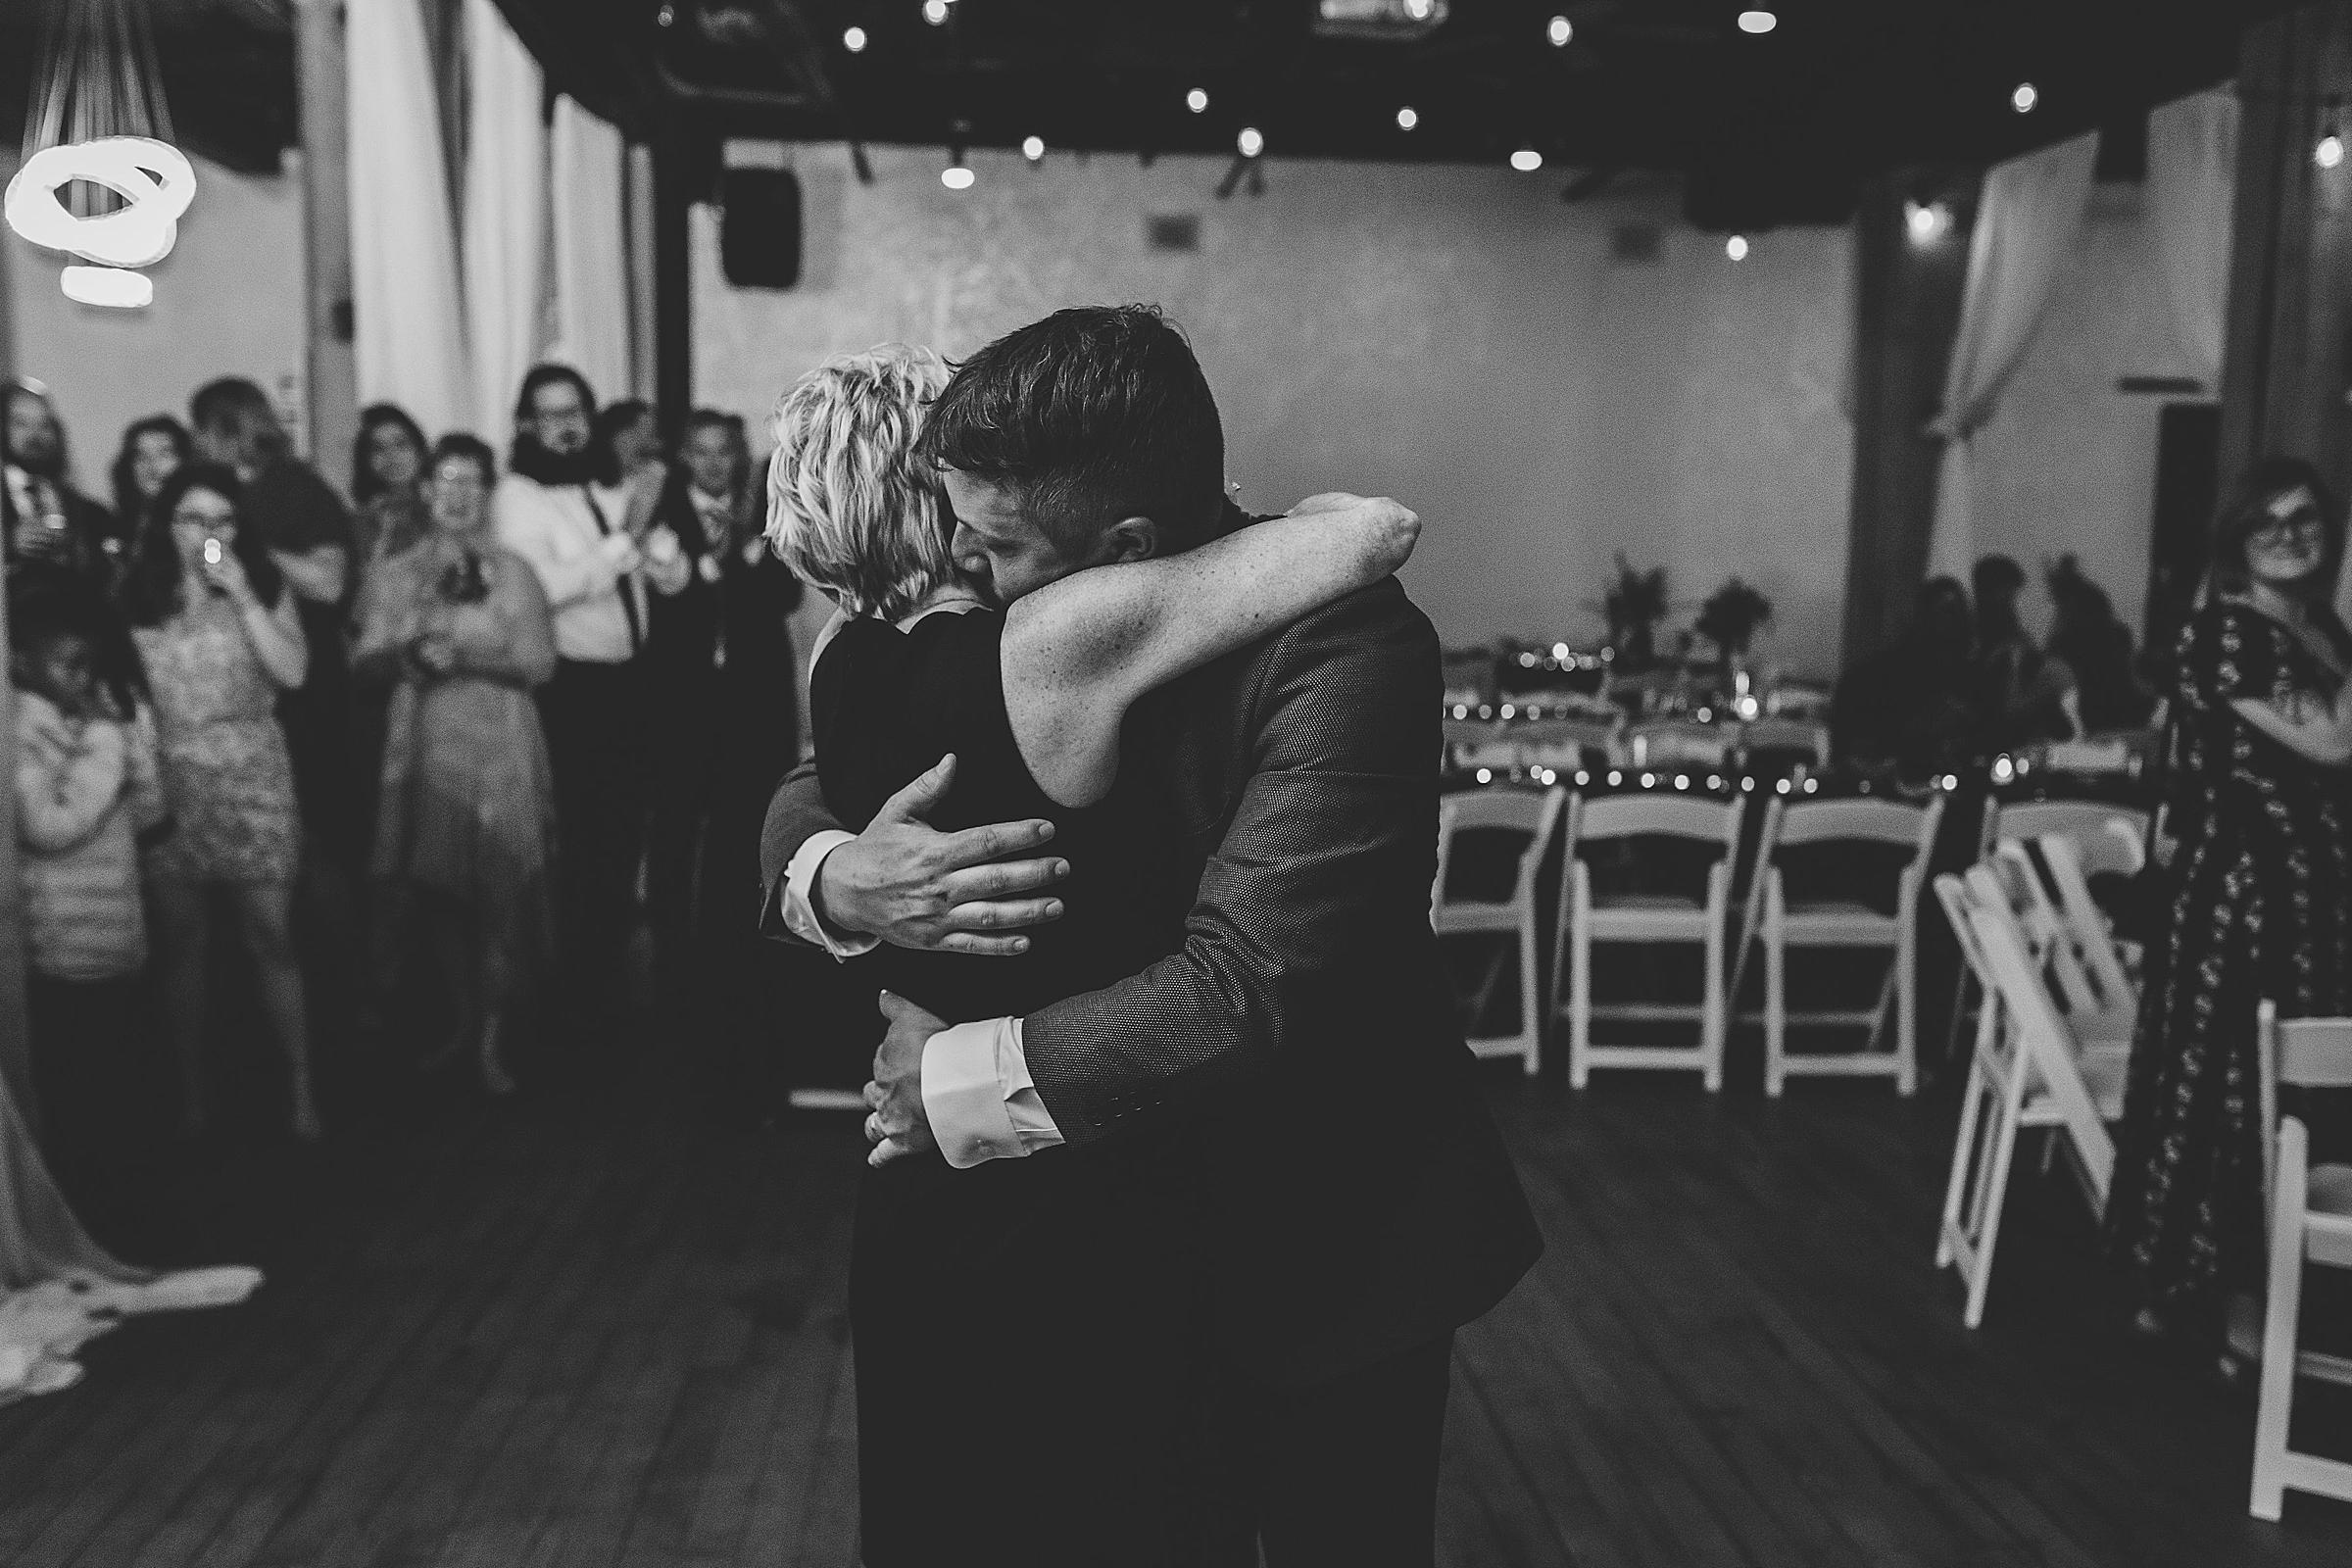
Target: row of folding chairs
(1567, 746)
(1701, 917)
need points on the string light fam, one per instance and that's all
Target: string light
(1929, 223)
(1407, 118)
(1250, 141)
(1559, 30)
(1735, 247)
(1033, 148)
(853, 41)
(2024, 98)
(2330, 152)
(1197, 100)
(935, 12)
(957, 175)
(1527, 160)
(1758, 21)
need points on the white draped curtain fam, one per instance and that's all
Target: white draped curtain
(2192, 183)
(590, 239)
(2027, 227)
(410, 343)
(505, 205)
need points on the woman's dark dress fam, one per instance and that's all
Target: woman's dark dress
(1022, 1327)
(2258, 910)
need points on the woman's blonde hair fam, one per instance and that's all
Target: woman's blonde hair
(851, 507)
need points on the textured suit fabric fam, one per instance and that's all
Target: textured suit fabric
(1360, 1202)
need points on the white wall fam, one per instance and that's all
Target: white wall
(2068, 463)
(228, 301)
(1457, 337)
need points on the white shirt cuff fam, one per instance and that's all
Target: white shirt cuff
(979, 1097)
(800, 911)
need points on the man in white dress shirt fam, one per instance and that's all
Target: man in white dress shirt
(600, 560)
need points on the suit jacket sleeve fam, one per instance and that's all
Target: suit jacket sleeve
(1312, 920)
(797, 813)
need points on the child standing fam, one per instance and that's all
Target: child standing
(86, 787)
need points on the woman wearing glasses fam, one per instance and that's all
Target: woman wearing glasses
(2262, 803)
(216, 628)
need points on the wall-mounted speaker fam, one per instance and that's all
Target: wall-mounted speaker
(759, 228)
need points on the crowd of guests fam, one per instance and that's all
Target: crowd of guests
(464, 737)
(1967, 679)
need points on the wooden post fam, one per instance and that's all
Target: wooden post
(1906, 312)
(332, 370)
(2287, 362)
(679, 177)
(16, 1050)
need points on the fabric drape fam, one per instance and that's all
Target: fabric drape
(2192, 183)
(2028, 225)
(59, 1290)
(506, 203)
(590, 239)
(410, 339)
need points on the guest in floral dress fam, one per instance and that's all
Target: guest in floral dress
(219, 632)
(464, 831)
(2258, 902)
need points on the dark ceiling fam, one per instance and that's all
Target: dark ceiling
(1772, 127)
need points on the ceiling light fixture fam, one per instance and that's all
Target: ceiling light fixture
(2024, 98)
(1249, 142)
(1407, 118)
(1033, 148)
(1197, 100)
(1757, 20)
(1559, 30)
(2330, 152)
(853, 41)
(1735, 247)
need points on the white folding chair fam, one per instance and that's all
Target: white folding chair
(2025, 1072)
(2098, 829)
(2310, 1221)
(1841, 923)
(2088, 925)
(1512, 810)
(2107, 836)
(1472, 743)
(1670, 746)
(1647, 918)
(1787, 735)
(1568, 745)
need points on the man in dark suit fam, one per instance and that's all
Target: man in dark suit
(43, 520)
(1299, 1038)
(727, 724)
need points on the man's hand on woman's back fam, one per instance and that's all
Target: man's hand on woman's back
(913, 886)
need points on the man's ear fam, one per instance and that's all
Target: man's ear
(1131, 539)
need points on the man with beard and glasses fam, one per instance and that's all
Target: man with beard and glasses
(601, 558)
(43, 519)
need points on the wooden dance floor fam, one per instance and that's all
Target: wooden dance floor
(577, 1335)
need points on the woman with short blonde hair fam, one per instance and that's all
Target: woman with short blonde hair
(851, 506)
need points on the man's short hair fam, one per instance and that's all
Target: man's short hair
(852, 507)
(1088, 417)
(239, 413)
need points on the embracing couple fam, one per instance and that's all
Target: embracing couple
(1126, 803)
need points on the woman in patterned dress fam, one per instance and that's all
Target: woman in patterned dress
(2258, 902)
(465, 826)
(218, 631)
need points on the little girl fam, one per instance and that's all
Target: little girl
(86, 788)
